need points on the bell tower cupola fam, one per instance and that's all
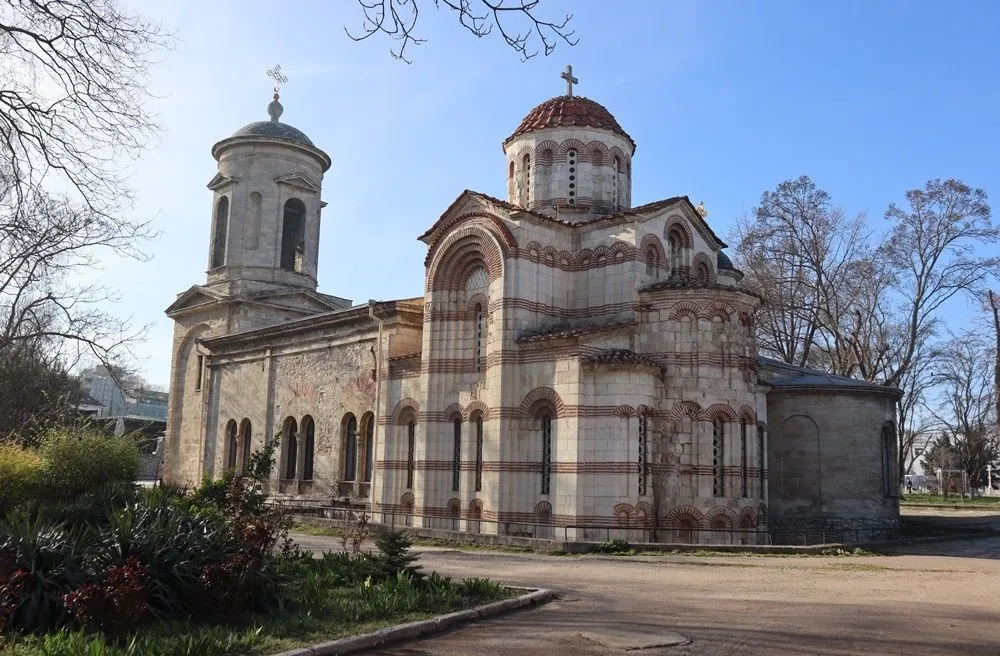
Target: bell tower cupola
(266, 206)
(569, 156)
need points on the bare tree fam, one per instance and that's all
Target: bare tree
(73, 86)
(932, 248)
(804, 256)
(965, 407)
(517, 21)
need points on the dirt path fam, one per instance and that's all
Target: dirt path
(939, 599)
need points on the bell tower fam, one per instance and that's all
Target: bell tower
(266, 206)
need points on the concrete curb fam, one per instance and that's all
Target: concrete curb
(415, 630)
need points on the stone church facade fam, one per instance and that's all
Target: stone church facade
(574, 363)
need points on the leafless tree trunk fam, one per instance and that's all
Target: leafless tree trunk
(517, 21)
(994, 303)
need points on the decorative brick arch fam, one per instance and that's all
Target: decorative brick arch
(600, 149)
(473, 408)
(717, 309)
(452, 412)
(583, 257)
(645, 411)
(478, 299)
(488, 222)
(721, 517)
(748, 415)
(476, 504)
(720, 411)
(454, 507)
(748, 518)
(623, 159)
(541, 397)
(460, 253)
(534, 249)
(403, 409)
(685, 410)
(644, 513)
(543, 158)
(684, 309)
(623, 513)
(543, 509)
(407, 501)
(652, 241)
(549, 253)
(700, 261)
(620, 250)
(684, 517)
(679, 225)
(568, 145)
(624, 411)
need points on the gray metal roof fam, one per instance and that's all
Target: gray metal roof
(780, 375)
(274, 130)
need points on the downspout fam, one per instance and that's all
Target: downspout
(378, 397)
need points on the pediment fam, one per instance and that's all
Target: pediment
(298, 181)
(194, 297)
(221, 182)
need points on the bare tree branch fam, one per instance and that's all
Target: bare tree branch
(516, 20)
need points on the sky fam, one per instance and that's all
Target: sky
(724, 99)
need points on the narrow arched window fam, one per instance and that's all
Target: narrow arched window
(232, 445)
(525, 194)
(411, 439)
(369, 426)
(291, 448)
(571, 190)
(743, 459)
(545, 419)
(704, 276)
(652, 262)
(643, 453)
(510, 170)
(349, 436)
(220, 232)
(456, 458)
(246, 430)
(293, 235)
(480, 335)
(308, 447)
(718, 458)
(675, 253)
(479, 453)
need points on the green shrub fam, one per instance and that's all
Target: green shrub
(77, 462)
(21, 475)
(612, 546)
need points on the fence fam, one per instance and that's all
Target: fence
(471, 529)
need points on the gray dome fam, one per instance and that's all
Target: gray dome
(724, 263)
(274, 130)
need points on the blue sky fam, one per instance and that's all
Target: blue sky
(725, 99)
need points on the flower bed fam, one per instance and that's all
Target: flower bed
(156, 572)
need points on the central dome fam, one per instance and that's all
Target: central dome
(275, 130)
(568, 112)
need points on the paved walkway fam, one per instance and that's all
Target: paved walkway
(935, 600)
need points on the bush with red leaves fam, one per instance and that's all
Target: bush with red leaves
(117, 605)
(11, 587)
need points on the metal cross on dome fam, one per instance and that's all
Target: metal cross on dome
(279, 79)
(570, 80)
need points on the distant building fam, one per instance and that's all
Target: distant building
(107, 398)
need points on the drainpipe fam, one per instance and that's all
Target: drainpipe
(378, 396)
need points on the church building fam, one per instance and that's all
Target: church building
(575, 362)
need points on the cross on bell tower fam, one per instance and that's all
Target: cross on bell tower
(570, 80)
(274, 110)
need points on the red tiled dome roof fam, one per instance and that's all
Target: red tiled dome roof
(568, 112)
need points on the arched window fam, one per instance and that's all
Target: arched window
(246, 430)
(479, 338)
(674, 242)
(510, 170)
(545, 419)
(220, 233)
(652, 262)
(368, 424)
(293, 235)
(643, 453)
(291, 447)
(718, 458)
(479, 452)
(571, 191)
(411, 439)
(525, 193)
(349, 435)
(232, 445)
(308, 447)
(456, 459)
(704, 276)
(743, 459)
(762, 459)
(616, 182)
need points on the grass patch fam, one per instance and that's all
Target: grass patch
(321, 531)
(940, 500)
(858, 567)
